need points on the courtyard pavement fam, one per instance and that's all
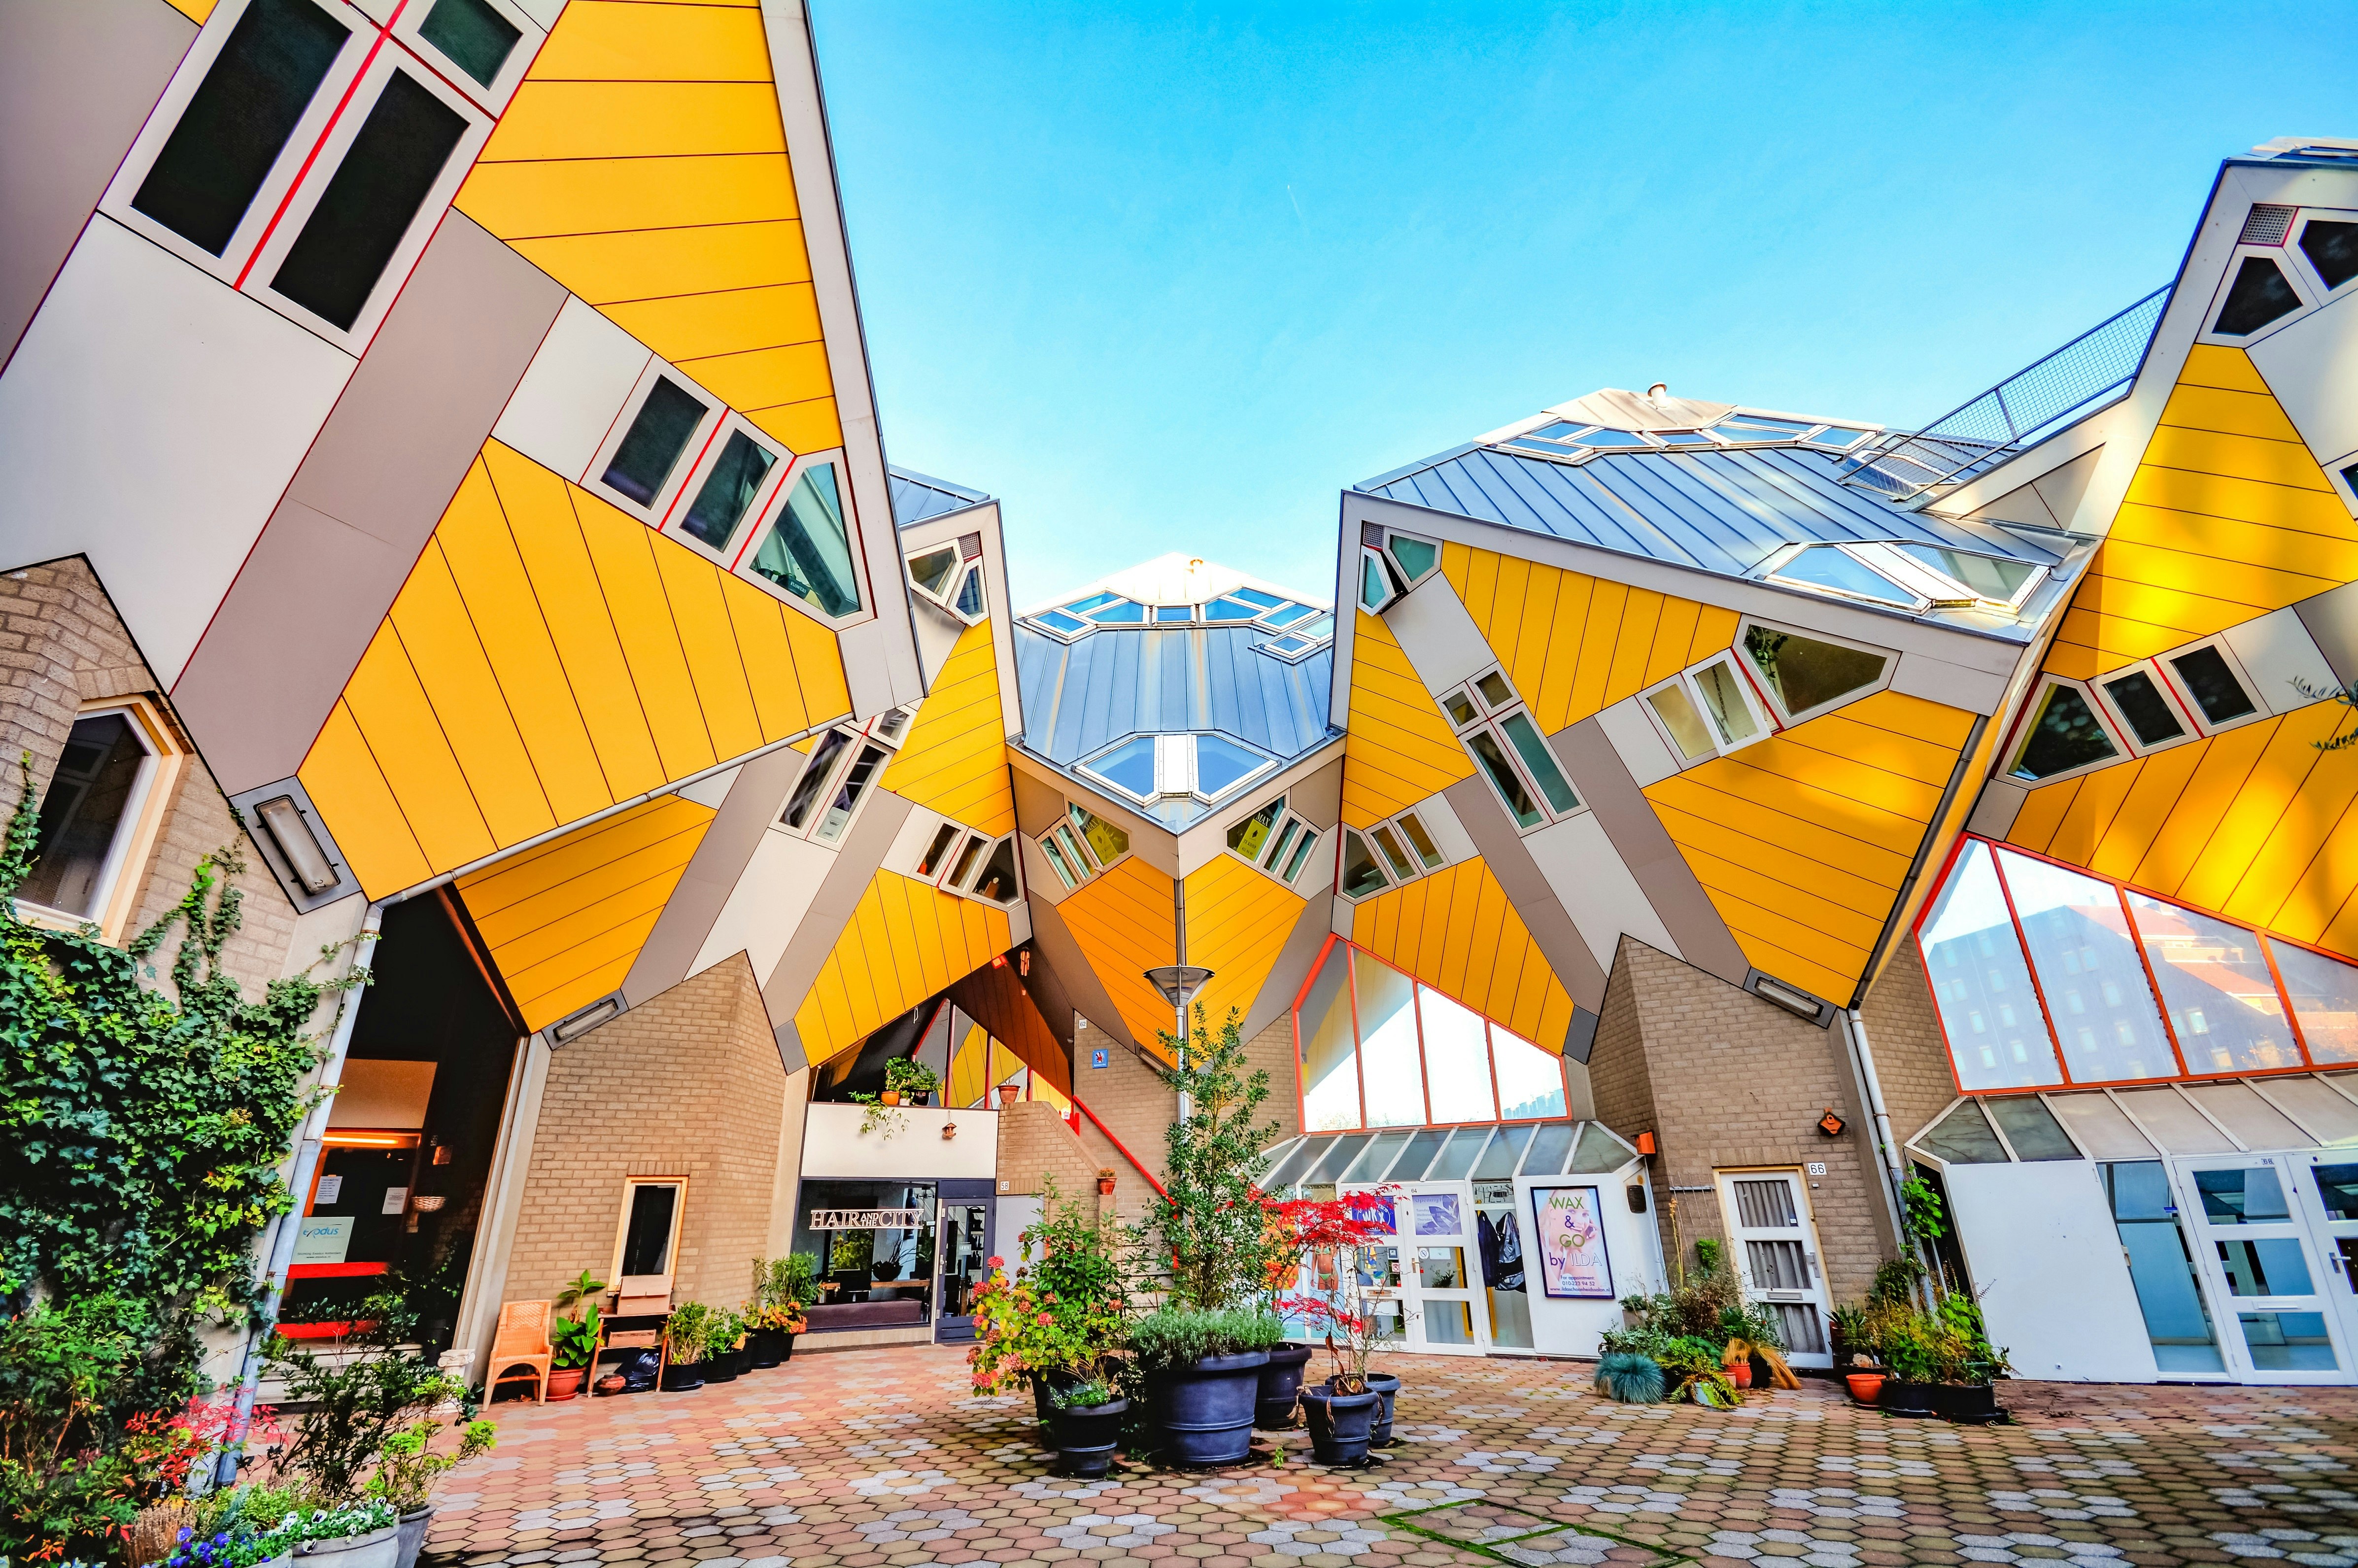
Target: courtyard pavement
(884, 1459)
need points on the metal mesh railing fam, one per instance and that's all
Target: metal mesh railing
(2090, 370)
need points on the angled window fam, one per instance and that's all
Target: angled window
(1221, 764)
(1286, 614)
(204, 179)
(1395, 854)
(472, 36)
(934, 571)
(2063, 736)
(996, 882)
(2217, 986)
(642, 463)
(1728, 703)
(1807, 673)
(1981, 980)
(725, 496)
(2218, 689)
(1420, 841)
(91, 813)
(1055, 854)
(1106, 842)
(1509, 751)
(1842, 437)
(937, 851)
(1128, 767)
(1758, 427)
(1249, 836)
(968, 606)
(1415, 558)
(2332, 247)
(807, 551)
(802, 806)
(1709, 711)
(1065, 625)
(2145, 706)
(966, 862)
(2324, 995)
(1376, 586)
(1083, 606)
(1120, 612)
(2258, 296)
(1674, 707)
(1361, 877)
(845, 802)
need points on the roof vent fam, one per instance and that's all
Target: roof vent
(2266, 226)
(1656, 391)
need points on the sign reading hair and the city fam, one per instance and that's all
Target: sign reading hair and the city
(866, 1218)
(1570, 1233)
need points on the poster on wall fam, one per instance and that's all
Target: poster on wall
(1371, 1209)
(1569, 1236)
(1436, 1214)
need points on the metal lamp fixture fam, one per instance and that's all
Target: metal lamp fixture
(284, 822)
(1179, 983)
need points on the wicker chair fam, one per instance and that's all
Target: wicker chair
(522, 1341)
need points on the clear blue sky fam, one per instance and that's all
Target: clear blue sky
(1169, 278)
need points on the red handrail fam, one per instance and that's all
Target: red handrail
(1124, 1148)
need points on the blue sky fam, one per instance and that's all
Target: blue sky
(1169, 278)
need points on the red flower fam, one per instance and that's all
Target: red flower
(999, 1263)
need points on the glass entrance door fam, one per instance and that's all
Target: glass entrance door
(1440, 1272)
(1775, 1256)
(2258, 1256)
(2335, 1188)
(965, 1264)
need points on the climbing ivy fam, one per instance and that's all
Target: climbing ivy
(144, 1126)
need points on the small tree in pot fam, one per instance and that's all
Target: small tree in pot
(1055, 1324)
(409, 1470)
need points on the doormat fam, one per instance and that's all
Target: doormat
(1511, 1534)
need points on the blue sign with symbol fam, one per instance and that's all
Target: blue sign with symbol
(1097, 1056)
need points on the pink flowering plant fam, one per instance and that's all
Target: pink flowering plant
(1062, 1313)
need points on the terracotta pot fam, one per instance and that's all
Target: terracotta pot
(1105, 1187)
(1865, 1387)
(890, 1096)
(1741, 1373)
(611, 1384)
(565, 1382)
(1006, 1093)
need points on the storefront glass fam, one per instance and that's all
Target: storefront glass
(873, 1243)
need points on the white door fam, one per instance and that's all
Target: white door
(1441, 1270)
(1774, 1245)
(2264, 1264)
(2331, 1184)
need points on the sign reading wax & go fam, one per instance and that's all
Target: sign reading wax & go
(1570, 1237)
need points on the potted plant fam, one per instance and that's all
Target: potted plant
(912, 1081)
(362, 1534)
(1204, 1366)
(408, 1469)
(1087, 1427)
(1006, 1093)
(351, 1407)
(573, 1341)
(1326, 1227)
(1343, 1410)
(784, 1289)
(686, 1335)
(1865, 1379)
(1056, 1323)
(724, 1333)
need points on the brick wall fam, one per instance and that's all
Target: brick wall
(61, 645)
(1912, 1055)
(1726, 1080)
(688, 1084)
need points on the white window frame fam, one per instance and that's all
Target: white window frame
(802, 463)
(406, 20)
(1371, 556)
(2177, 688)
(1291, 834)
(839, 770)
(631, 1185)
(2189, 717)
(1344, 834)
(692, 456)
(1937, 588)
(116, 892)
(952, 881)
(2019, 741)
(758, 511)
(1765, 720)
(2306, 287)
(1492, 720)
(951, 833)
(966, 563)
(1074, 812)
(1061, 845)
(1400, 569)
(1414, 861)
(1767, 693)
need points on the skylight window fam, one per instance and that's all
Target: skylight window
(1254, 596)
(1120, 612)
(1286, 616)
(1166, 613)
(1839, 437)
(1992, 577)
(1221, 765)
(1093, 601)
(1149, 767)
(1232, 607)
(1609, 438)
(1683, 439)
(1128, 767)
(1829, 568)
(1758, 427)
(1057, 621)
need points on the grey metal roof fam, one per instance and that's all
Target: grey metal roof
(917, 496)
(1723, 512)
(1080, 698)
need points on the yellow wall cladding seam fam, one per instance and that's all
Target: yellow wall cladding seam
(1458, 932)
(564, 921)
(954, 759)
(1801, 841)
(1397, 749)
(1573, 644)
(1123, 923)
(547, 658)
(904, 942)
(2253, 822)
(2227, 517)
(1238, 922)
(642, 164)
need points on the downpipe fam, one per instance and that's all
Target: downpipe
(1886, 1145)
(289, 1226)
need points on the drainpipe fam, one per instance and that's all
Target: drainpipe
(1887, 1144)
(288, 1226)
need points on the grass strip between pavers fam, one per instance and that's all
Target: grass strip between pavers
(1546, 1526)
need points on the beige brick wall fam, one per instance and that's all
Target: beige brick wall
(1912, 1055)
(1725, 1081)
(62, 644)
(688, 1084)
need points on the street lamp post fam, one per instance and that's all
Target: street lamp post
(1179, 983)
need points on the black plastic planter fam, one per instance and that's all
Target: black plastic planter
(681, 1376)
(1205, 1410)
(1385, 1387)
(1281, 1388)
(1086, 1437)
(1054, 1380)
(1908, 1399)
(1972, 1404)
(722, 1366)
(1341, 1425)
(768, 1346)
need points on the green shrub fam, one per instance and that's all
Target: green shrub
(1179, 1337)
(688, 1332)
(351, 1408)
(1209, 1244)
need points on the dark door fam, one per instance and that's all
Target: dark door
(965, 1253)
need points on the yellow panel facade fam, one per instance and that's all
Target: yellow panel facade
(906, 941)
(549, 657)
(2255, 823)
(955, 759)
(564, 921)
(642, 164)
(1123, 923)
(1803, 840)
(1237, 921)
(1457, 932)
(2227, 517)
(1399, 749)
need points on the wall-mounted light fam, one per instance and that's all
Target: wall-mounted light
(1792, 999)
(291, 832)
(428, 1205)
(574, 1026)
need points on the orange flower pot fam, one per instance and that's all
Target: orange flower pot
(1741, 1373)
(1865, 1387)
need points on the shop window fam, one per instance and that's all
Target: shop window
(2218, 691)
(243, 114)
(2324, 994)
(472, 37)
(1807, 675)
(807, 551)
(730, 485)
(658, 433)
(2258, 296)
(89, 833)
(1963, 1138)
(1391, 1081)
(2161, 1269)
(649, 1242)
(2065, 736)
